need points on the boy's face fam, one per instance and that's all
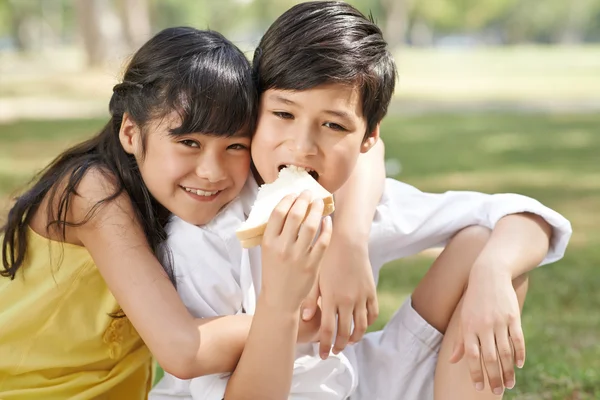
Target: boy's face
(321, 129)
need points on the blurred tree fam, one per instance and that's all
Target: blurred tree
(100, 29)
(396, 20)
(135, 17)
(126, 24)
(21, 19)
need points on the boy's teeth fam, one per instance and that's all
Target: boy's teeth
(300, 169)
(201, 192)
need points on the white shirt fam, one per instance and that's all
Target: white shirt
(215, 276)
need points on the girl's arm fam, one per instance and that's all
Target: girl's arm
(346, 283)
(184, 346)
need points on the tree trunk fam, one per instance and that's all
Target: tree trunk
(90, 14)
(135, 17)
(396, 21)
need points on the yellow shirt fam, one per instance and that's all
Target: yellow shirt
(57, 339)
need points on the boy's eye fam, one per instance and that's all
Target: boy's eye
(334, 126)
(190, 143)
(283, 115)
(238, 146)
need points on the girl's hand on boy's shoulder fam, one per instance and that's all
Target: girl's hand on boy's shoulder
(347, 290)
(292, 251)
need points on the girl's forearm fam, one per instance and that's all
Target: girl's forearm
(357, 199)
(221, 343)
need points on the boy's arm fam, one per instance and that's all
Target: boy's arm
(346, 283)
(490, 319)
(524, 234)
(409, 221)
(290, 259)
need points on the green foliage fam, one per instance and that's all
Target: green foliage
(515, 20)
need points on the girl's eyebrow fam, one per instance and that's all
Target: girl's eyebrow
(281, 99)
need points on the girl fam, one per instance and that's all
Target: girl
(79, 247)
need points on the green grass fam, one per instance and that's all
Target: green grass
(553, 158)
(538, 73)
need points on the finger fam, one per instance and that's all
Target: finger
(505, 351)
(491, 363)
(278, 216)
(327, 327)
(320, 245)
(344, 329)
(518, 340)
(472, 351)
(309, 306)
(458, 351)
(310, 226)
(372, 311)
(295, 216)
(361, 323)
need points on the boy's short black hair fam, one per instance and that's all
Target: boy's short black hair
(321, 42)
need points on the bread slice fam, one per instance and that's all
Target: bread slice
(291, 179)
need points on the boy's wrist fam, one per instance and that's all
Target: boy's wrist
(490, 270)
(277, 305)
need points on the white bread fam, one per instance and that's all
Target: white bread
(290, 180)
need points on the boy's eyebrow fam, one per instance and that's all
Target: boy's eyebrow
(340, 114)
(336, 113)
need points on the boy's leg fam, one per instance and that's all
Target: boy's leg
(438, 293)
(453, 381)
(399, 362)
(437, 298)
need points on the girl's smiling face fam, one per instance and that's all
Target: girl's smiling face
(192, 175)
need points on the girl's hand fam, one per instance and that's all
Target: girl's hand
(292, 251)
(308, 331)
(348, 291)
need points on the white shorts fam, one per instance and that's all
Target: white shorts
(399, 361)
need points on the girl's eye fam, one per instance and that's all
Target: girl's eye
(238, 146)
(334, 126)
(190, 143)
(283, 115)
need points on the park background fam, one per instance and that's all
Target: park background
(493, 96)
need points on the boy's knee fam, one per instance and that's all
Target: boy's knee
(521, 284)
(472, 235)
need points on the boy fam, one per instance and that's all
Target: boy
(325, 80)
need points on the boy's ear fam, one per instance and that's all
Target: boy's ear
(370, 141)
(129, 135)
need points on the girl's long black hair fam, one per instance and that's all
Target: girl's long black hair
(199, 74)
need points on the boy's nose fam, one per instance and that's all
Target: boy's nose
(305, 145)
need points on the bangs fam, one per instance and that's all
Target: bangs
(216, 96)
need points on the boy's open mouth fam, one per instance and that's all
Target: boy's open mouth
(311, 172)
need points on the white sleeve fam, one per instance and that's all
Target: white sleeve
(206, 270)
(408, 221)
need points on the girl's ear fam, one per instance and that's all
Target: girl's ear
(370, 141)
(130, 135)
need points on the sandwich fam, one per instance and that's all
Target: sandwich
(291, 179)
